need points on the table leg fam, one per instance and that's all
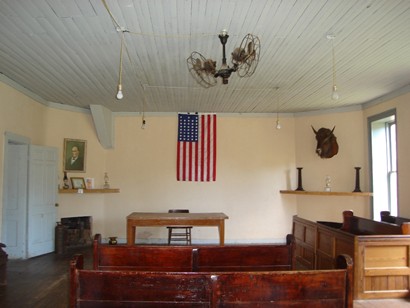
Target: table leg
(130, 234)
(221, 229)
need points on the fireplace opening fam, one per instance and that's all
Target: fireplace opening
(73, 232)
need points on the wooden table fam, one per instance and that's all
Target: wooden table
(138, 219)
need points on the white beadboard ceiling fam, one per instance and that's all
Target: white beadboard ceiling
(68, 52)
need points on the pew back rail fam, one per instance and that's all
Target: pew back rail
(364, 226)
(194, 258)
(385, 216)
(95, 288)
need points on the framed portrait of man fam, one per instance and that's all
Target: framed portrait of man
(74, 155)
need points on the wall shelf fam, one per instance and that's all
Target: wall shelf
(89, 191)
(326, 193)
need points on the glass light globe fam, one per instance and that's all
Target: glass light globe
(119, 93)
(335, 95)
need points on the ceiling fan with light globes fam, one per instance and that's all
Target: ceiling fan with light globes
(244, 61)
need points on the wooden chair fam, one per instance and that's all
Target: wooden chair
(179, 233)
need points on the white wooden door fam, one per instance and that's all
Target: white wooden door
(42, 192)
(15, 201)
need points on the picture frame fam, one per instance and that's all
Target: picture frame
(89, 183)
(77, 183)
(75, 153)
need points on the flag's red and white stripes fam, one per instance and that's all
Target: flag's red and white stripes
(196, 161)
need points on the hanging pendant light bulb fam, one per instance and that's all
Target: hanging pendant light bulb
(120, 95)
(119, 92)
(335, 94)
(143, 122)
(278, 125)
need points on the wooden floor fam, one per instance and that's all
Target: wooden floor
(42, 282)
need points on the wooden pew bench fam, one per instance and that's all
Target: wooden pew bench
(364, 226)
(380, 252)
(193, 258)
(108, 288)
(397, 220)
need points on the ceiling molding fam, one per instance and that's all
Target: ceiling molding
(387, 97)
(23, 90)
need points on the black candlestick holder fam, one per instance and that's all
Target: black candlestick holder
(357, 186)
(300, 188)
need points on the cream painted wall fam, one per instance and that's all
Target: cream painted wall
(74, 125)
(250, 171)
(349, 130)
(255, 161)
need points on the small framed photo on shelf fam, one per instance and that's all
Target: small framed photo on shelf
(89, 183)
(77, 183)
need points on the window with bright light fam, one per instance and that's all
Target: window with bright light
(383, 157)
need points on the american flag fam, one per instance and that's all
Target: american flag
(196, 149)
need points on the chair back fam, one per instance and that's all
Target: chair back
(178, 211)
